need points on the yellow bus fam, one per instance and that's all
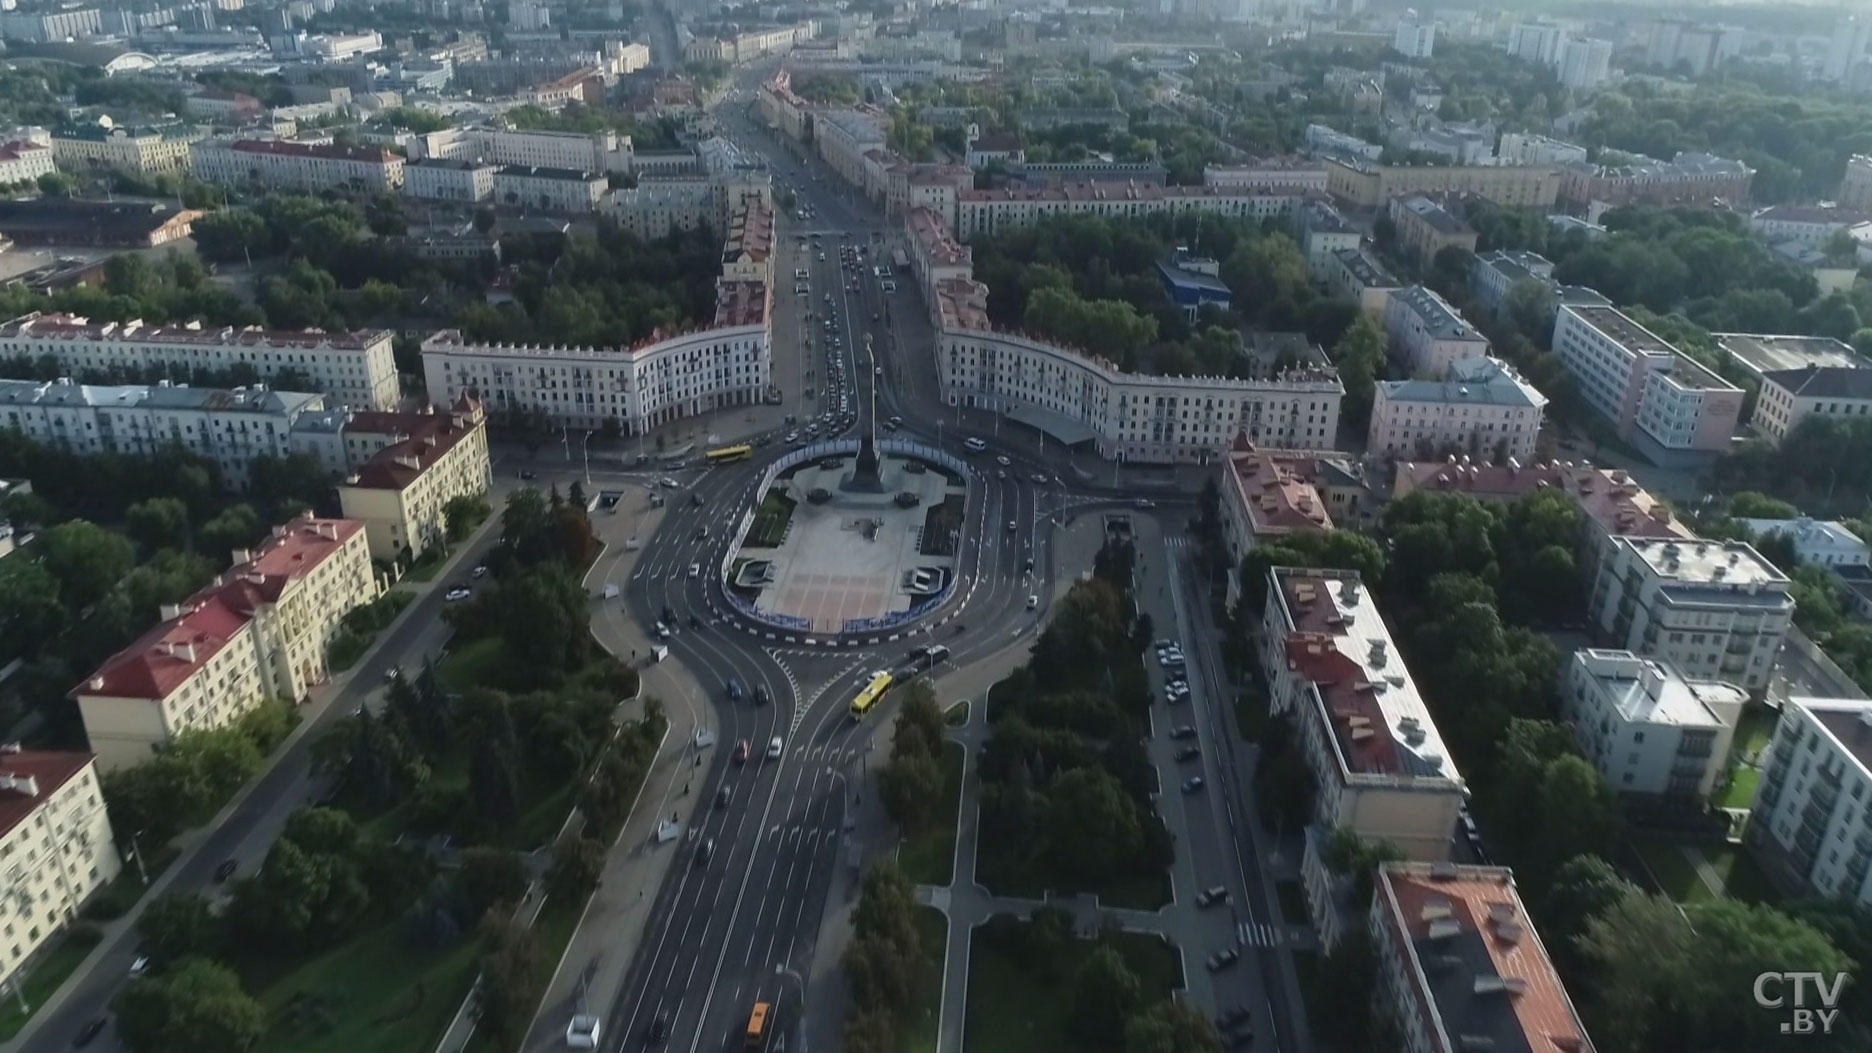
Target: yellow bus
(880, 683)
(730, 453)
(757, 1027)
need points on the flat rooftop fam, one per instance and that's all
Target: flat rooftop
(1618, 325)
(1706, 562)
(1846, 720)
(1770, 353)
(1647, 691)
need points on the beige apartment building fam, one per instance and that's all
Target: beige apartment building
(1378, 761)
(259, 630)
(1371, 185)
(55, 845)
(401, 492)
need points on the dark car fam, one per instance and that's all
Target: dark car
(88, 1032)
(1188, 753)
(659, 1028)
(761, 697)
(1183, 731)
(721, 797)
(1232, 1016)
(225, 870)
(704, 851)
(527, 473)
(1223, 959)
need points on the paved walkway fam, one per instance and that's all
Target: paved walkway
(1704, 871)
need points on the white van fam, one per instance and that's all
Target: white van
(976, 444)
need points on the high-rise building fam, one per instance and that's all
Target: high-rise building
(1847, 50)
(1585, 63)
(1536, 42)
(1415, 37)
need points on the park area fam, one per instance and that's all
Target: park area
(771, 520)
(1032, 985)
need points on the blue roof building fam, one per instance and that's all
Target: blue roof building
(1191, 289)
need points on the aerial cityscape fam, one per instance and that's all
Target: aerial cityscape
(935, 526)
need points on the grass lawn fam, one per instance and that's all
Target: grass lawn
(473, 664)
(127, 887)
(957, 715)
(47, 973)
(426, 568)
(1753, 731)
(1741, 878)
(929, 857)
(770, 520)
(1675, 876)
(1014, 1009)
(1741, 791)
(919, 1033)
(554, 926)
(375, 994)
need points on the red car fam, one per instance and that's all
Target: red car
(741, 752)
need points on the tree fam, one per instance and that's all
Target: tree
(463, 513)
(230, 234)
(490, 879)
(1583, 888)
(178, 925)
(577, 866)
(196, 1005)
(1348, 854)
(55, 184)
(1091, 824)
(492, 785)
(509, 988)
(920, 719)
(912, 788)
(1360, 356)
(1105, 994)
(544, 615)
(30, 612)
(1170, 1026)
(159, 522)
(86, 559)
(237, 527)
(1325, 549)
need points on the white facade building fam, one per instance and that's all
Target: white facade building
(1830, 544)
(1651, 731)
(1810, 827)
(437, 179)
(1414, 38)
(55, 838)
(1585, 63)
(549, 189)
(300, 166)
(24, 162)
(1427, 335)
(1789, 396)
(354, 368)
(577, 151)
(1714, 609)
(1536, 42)
(146, 151)
(1484, 409)
(1675, 410)
(230, 428)
(989, 211)
(1528, 148)
(1322, 233)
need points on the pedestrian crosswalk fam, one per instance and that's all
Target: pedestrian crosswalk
(1257, 934)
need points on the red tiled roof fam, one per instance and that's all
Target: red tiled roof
(430, 437)
(1358, 721)
(1278, 496)
(48, 770)
(1480, 903)
(1609, 496)
(933, 237)
(160, 660)
(740, 302)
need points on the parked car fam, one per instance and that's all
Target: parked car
(479, 571)
(140, 966)
(1232, 1016)
(1187, 754)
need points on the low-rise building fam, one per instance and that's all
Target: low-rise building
(229, 428)
(655, 207)
(1268, 494)
(549, 189)
(24, 162)
(1809, 827)
(1379, 764)
(992, 211)
(354, 368)
(440, 179)
(1358, 276)
(1193, 284)
(1496, 273)
(1367, 185)
(1034, 174)
(1427, 335)
(260, 630)
(1484, 409)
(1325, 142)
(144, 150)
(1283, 173)
(1321, 233)
(223, 107)
(1790, 396)
(1687, 179)
(1656, 735)
(1529, 148)
(575, 151)
(94, 224)
(402, 492)
(1809, 225)
(1460, 965)
(1425, 228)
(1714, 609)
(1825, 542)
(299, 166)
(56, 837)
(994, 147)
(1674, 410)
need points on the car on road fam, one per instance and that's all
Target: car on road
(1183, 731)
(704, 851)
(1193, 784)
(1012, 526)
(1223, 958)
(1232, 1016)
(480, 571)
(88, 1033)
(392, 673)
(1188, 753)
(139, 967)
(761, 697)
(773, 748)
(582, 1031)
(526, 473)
(659, 1028)
(1033, 602)
(1146, 503)
(225, 870)
(734, 689)
(1002, 460)
(459, 592)
(695, 570)
(1040, 477)
(721, 797)
(1211, 896)
(1000, 473)
(701, 534)
(741, 752)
